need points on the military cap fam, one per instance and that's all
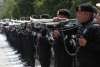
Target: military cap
(64, 12)
(34, 16)
(85, 7)
(46, 16)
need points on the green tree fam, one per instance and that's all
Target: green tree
(15, 12)
(51, 6)
(7, 8)
(25, 7)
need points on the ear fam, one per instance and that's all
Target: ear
(88, 14)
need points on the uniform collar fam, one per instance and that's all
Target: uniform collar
(85, 23)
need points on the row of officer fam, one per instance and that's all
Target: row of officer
(87, 49)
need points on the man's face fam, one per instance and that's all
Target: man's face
(81, 15)
(98, 18)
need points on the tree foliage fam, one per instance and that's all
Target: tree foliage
(25, 8)
(7, 8)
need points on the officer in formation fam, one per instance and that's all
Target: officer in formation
(86, 51)
(87, 37)
(61, 57)
(43, 44)
(30, 46)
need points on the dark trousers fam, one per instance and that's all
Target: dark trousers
(88, 63)
(62, 60)
(44, 57)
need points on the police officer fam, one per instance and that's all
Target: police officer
(88, 34)
(61, 57)
(44, 45)
(30, 47)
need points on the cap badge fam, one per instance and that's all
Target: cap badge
(40, 16)
(57, 12)
(79, 8)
